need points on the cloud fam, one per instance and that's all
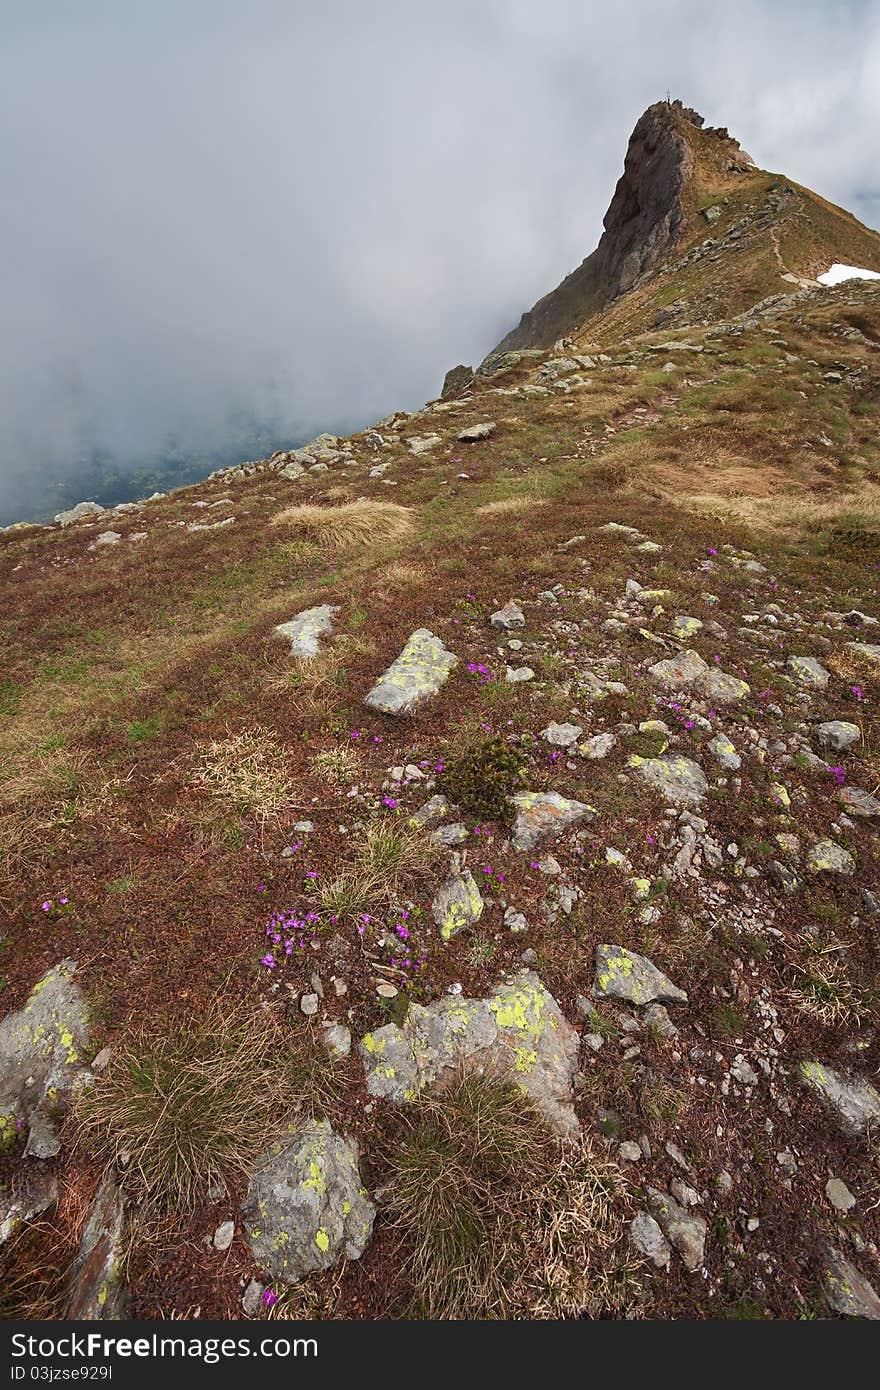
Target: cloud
(296, 215)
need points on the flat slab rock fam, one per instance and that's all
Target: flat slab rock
(458, 903)
(306, 1207)
(685, 1232)
(540, 814)
(846, 1288)
(418, 673)
(304, 632)
(680, 780)
(854, 1102)
(517, 1030)
(97, 1291)
(42, 1051)
(858, 802)
(622, 974)
(808, 672)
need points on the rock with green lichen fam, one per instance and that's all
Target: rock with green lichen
(43, 1050)
(96, 1290)
(827, 857)
(854, 1102)
(680, 780)
(846, 1289)
(304, 632)
(306, 1207)
(418, 673)
(857, 802)
(457, 903)
(518, 1031)
(684, 1231)
(688, 671)
(622, 974)
(808, 672)
(543, 814)
(724, 753)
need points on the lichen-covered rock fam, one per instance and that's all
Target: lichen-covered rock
(306, 1207)
(423, 443)
(685, 1231)
(622, 974)
(827, 857)
(306, 630)
(684, 626)
(79, 513)
(599, 746)
(680, 780)
(808, 672)
(853, 1100)
(96, 1289)
(724, 753)
(539, 814)
(418, 673)
(518, 1032)
(43, 1048)
(457, 903)
(509, 617)
(846, 1289)
(836, 735)
(688, 671)
(870, 651)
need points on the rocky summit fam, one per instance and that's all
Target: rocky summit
(533, 876)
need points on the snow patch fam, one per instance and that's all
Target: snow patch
(838, 273)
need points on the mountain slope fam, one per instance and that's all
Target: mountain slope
(655, 566)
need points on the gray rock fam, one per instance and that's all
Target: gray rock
(723, 752)
(42, 1051)
(807, 671)
(837, 735)
(252, 1298)
(688, 671)
(678, 779)
(859, 803)
(854, 1101)
(518, 1031)
(869, 651)
(827, 857)
(306, 1208)
(423, 444)
(429, 814)
(79, 513)
(509, 617)
(32, 1193)
(659, 1022)
(418, 673)
(839, 1195)
(649, 1240)
(846, 1289)
(448, 835)
(562, 735)
(474, 433)
(515, 921)
(96, 1291)
(599, 746)
(337, 1039)
(621, 974)
(306, 630)
(106, 538)
(43, 1140)
(309, 1004)
(515, 675)
(539, 814)
(685, 1231)
(457, 903)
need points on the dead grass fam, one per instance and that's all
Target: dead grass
(249, 771)
(188, 1107)
(361, 523)
(385, 858)
(499, 1219)
(507, 507)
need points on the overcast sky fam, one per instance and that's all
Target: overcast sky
(309, 209)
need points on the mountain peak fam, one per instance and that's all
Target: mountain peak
(682, 179)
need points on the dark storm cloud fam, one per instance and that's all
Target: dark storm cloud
(301, 213)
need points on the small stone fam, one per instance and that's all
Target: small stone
(516, 675)
(808, 672)
(622, 974)
(304, 632)
(837, 735)
(539, 814)
(457, 904)
(839, 1195)
(252, 1298)
(827, 857)
(686, 1232)
(224, 1235)
(649, 1240)
(337, 1039)
(562, 735)
(309, 1004)
(474, 433)
(629, 1152)
(509, 617)
(855, 1102)
(599, 746)
(418, 673)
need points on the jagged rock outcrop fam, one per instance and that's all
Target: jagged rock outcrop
(642, 225)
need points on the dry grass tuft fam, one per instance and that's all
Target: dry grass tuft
(313, 683)
(386, 858)
(248, 770)
(360, 523)
(336, 765)
(190, 1106)
(498, 1217)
